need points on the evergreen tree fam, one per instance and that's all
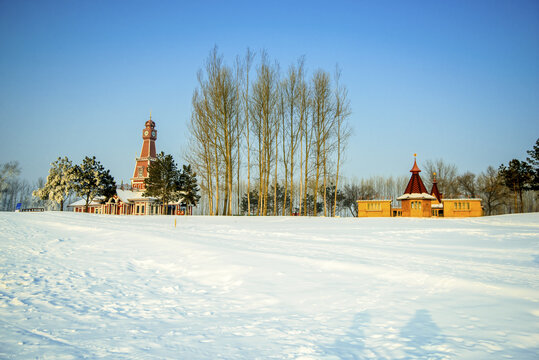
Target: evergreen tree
(517, 176)
(250, 200)
(92, 180)
(164, 179)
(59, 183)
(189, 187)
(534, 162)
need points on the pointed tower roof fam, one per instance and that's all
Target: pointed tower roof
(415, 169)
(150, 123)
(415, 189)
(415, 185)
(435, 192)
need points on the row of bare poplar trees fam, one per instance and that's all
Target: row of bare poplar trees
(253, 123)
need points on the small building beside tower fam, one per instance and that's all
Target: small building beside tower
(418, 202)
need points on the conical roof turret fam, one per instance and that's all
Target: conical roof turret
(415, 185)
(435, 192)
(415, 188)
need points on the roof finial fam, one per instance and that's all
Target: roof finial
(415, 155)
(150, 114)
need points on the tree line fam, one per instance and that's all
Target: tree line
(284, 132)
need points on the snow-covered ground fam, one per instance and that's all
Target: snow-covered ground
(125, 287)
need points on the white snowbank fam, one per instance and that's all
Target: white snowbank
(125, 287)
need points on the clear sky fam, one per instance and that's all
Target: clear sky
(457, 80)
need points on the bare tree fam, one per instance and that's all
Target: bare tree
(493, 192)
(446, 176)
(263, 106)
(467, 184)
(322, 117)
(248, 60)
(342, 112)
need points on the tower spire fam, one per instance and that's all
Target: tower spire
(415, 168)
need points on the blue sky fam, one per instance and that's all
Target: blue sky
(457, 80)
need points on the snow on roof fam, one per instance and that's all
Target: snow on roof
(415, 196)
(128, 195)
(82, 202)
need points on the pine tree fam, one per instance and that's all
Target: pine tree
(60, 182)
(163, 181)
(517, 176)
(92, 180)
(189, 187)
(534, 162)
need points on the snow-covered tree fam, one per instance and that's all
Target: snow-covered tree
(92, 180)
(59, 183)
(8, 171)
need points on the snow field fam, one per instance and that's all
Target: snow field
(124, 287)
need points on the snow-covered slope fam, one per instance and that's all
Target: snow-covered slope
(90, 286)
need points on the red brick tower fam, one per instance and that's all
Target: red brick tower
(147, 154)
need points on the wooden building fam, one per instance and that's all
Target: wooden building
(418, 202)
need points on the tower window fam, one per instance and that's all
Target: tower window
(140, 171)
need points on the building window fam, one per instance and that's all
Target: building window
(140, 171)
(468, 206)
(374, 206)
(138, 208)
(419, 205)
(142, 209)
